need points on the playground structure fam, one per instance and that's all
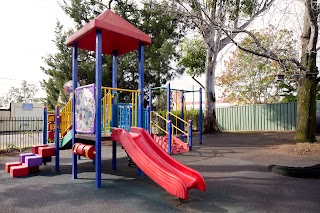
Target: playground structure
(171, 141)
(92, 114)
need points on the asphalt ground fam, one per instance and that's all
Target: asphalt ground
(234, 168)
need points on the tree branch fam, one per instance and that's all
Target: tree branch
(198, 82)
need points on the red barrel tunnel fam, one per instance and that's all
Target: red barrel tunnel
(85, 150)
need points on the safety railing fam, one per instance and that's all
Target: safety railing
(176, 129)
(66, 118)
(109, 94)
(154, 115)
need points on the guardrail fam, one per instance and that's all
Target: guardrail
(20, 132)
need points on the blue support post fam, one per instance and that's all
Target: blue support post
(168, 100)
(150, 108)
(114, 107)
(150, 98)
(169, 137)
(182, 113)
(57, 138)
(200, 117)
(149, 120)
(141, 84)
(141, 89)
(45, 126)
(74, 86)
(98, 106)
(190, 134)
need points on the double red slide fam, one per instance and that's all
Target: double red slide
(170, 174)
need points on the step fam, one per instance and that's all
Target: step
(47, 151)
(32, 161)
(35, 148)
(8, 165)
(23, 156)
(19, 171)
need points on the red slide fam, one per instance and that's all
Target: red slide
(166, 171)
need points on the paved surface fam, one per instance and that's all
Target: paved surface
(235, 170)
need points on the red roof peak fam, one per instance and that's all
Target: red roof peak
(117, 34)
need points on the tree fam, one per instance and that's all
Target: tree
(250, 79)
(165, 32)
(192, 59)
(24, 93)
(212, 18)
(308, 71)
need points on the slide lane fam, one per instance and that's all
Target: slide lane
(166, 171)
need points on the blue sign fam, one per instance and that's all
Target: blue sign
(27, 107)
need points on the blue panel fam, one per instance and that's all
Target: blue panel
(74, 86)
(98, 106)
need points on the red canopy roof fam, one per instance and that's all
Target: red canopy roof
(117, 34)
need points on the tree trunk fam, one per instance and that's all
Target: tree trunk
(210, 121)
(306, 112)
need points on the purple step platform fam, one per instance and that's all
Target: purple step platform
(23, 156)
(32, 161)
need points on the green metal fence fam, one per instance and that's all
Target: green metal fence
(278, 116)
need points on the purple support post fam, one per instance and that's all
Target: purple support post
(74, 86)
(190, 134)
(56, 137)
(200, 117)
(169, 137)
(149, 119)
(45, 126)
(114, 107)
(98, 106)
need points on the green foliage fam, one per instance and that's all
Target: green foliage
(193, 57)
(250, 79)
(191, 114)
(165, 32)
(288, 91)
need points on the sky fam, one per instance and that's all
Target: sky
(29, 31)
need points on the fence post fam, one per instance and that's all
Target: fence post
(56, 136)
(45, 125)
(190, 134)
(169, 136)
